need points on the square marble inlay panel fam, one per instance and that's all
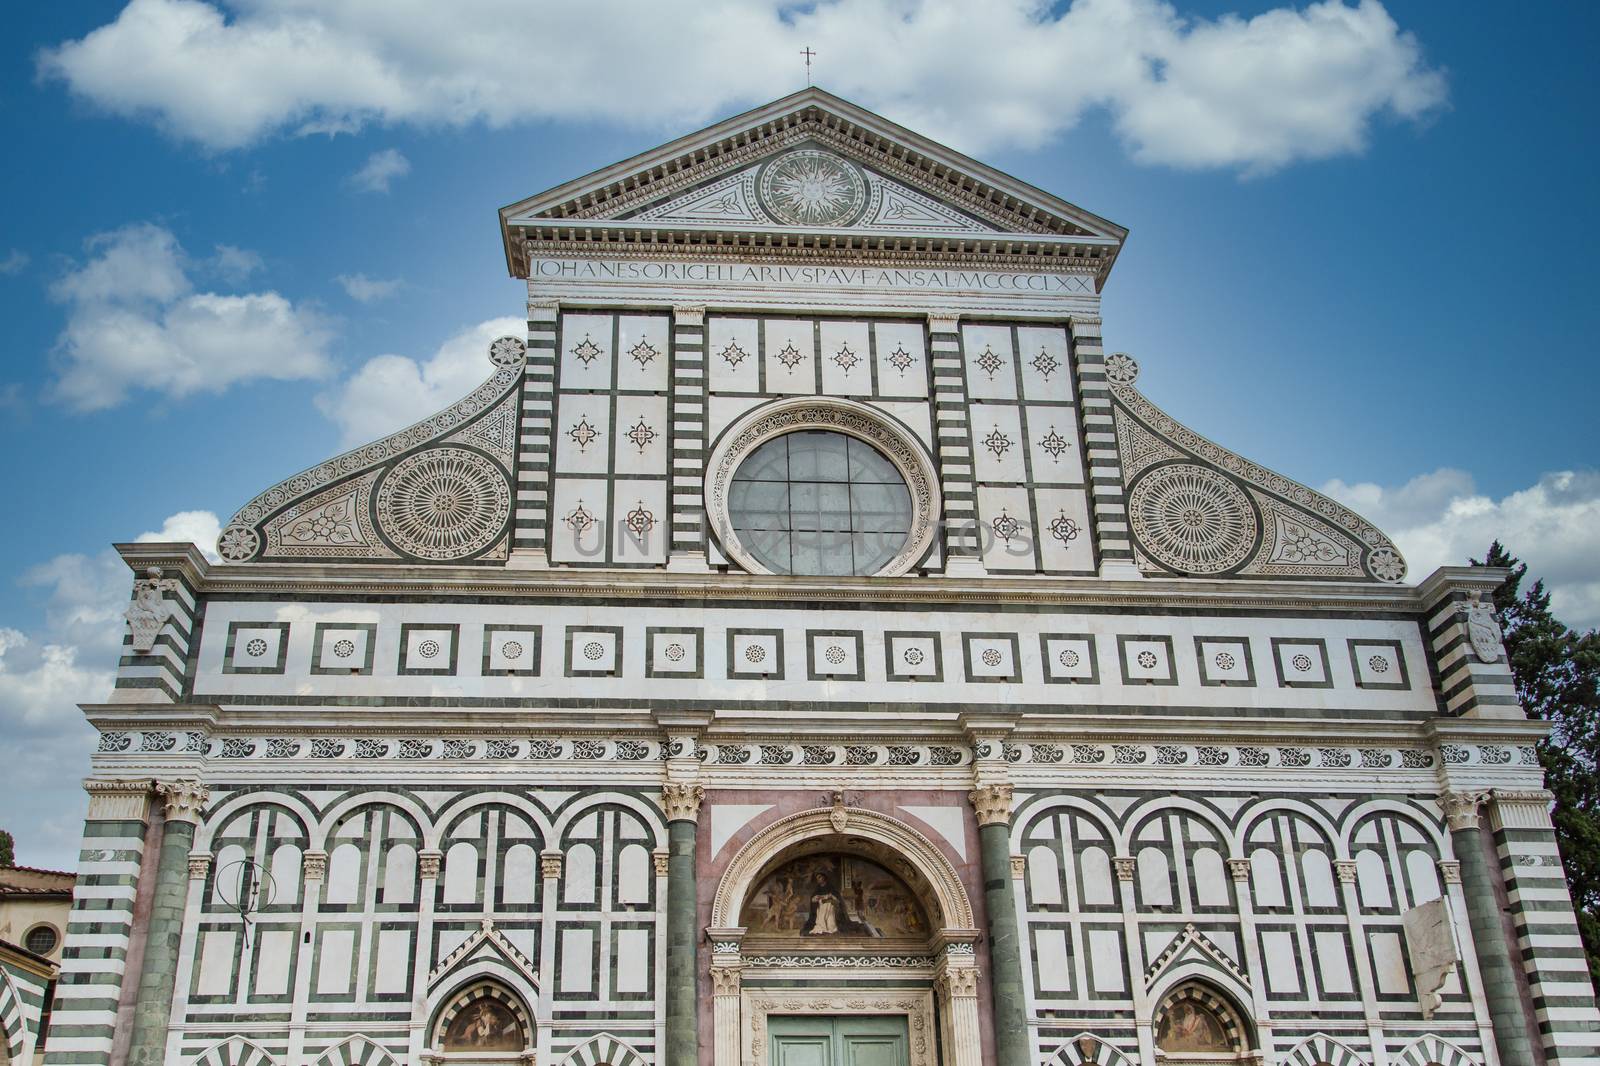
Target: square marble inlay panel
(1301, 662)
(913, 656)
(511, 650)
(1069, 658)
(674, 652)
(256, 648)
(1147, 660)
(834, 654)
(428, 649)
(1378, 664)
(992, 657)
(594, 651)
(755, 653)
(343, 647)
(1224, 661)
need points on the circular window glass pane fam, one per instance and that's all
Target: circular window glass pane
(820, 503)
(41, 940)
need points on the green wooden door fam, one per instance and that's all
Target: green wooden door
(853, 1040)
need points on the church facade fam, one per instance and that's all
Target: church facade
(810, 647)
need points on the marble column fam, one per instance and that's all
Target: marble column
(1495, 965)
(682, 803)
(992, 804)
(151, 1013)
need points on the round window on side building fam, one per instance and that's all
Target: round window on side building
(41, 940)
(820, 503)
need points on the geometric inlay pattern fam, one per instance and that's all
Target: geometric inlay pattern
(443, 503)
(1191, 519)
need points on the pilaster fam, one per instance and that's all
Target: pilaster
(530, 533)
(1107, 500)
(95, 956)
(1365, 981)
(687, 441)
(429, 862)
(962, 552)
(1548, 942)
(1239, 871)
(1126, 868)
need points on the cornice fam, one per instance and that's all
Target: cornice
(400, 581)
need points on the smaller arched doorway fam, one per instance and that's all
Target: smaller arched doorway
(483, 1024)
(822, 903)
(1197, 1025)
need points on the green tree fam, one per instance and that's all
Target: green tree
(8, 852)
(1557, 672)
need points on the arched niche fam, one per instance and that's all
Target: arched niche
(889, 904)
(483, 1023)
(1198, 1023)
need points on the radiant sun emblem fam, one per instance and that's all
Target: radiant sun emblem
(809, 188)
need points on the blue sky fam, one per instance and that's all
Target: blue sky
(1361, 251)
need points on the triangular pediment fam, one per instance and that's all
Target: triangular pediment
(812, 166)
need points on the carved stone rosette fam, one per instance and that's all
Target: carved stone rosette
(682, 800)
(183, 800)
(992, 804)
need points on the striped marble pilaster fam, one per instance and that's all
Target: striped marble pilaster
(530, 536)
(953, 435)
(83, 1024)
(1107, 498)
(1468, 686)
(159, 674)
(1548, 942)
(687, 439)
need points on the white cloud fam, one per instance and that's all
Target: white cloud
(69, 658)
(380, 169)
(200, 528)
(389, 392)
(236, 264)
(134, 322)
(15, 262)
(367, 290)
(1286, 85)
(1441, 519)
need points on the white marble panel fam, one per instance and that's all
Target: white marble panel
(335, 949)
(642, 527)
(1105, 960)
(1065, 542)
(1147, 660)
(1005, 528)
(1225, 661)
(633, 960)
(274, 948)
(913, 656)
(639, 444)
(392, 973)
(733, 354)
(846, 358)
(791, 363)
(834, 656)
(1069, 657)
(1302, 664)
(1053, 445)
(990, 362)
(580, 520)
(577, 960)
(216, 962)
(917, 417)
(643, 352)
(1389, 963)
(1054, 959)
(1333, 964)
(1042, 358)
(997, 444)
(586, 351)
(902, 358)
(1280, 955)
(723, 411)
(583, 433)
(676, 651)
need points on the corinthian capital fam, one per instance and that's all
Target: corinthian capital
(682, 800)
(992, 804)
(1461, 809)
(183, 799)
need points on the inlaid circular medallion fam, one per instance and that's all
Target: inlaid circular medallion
(443, 503)
(1192, 520)
(810, 188)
